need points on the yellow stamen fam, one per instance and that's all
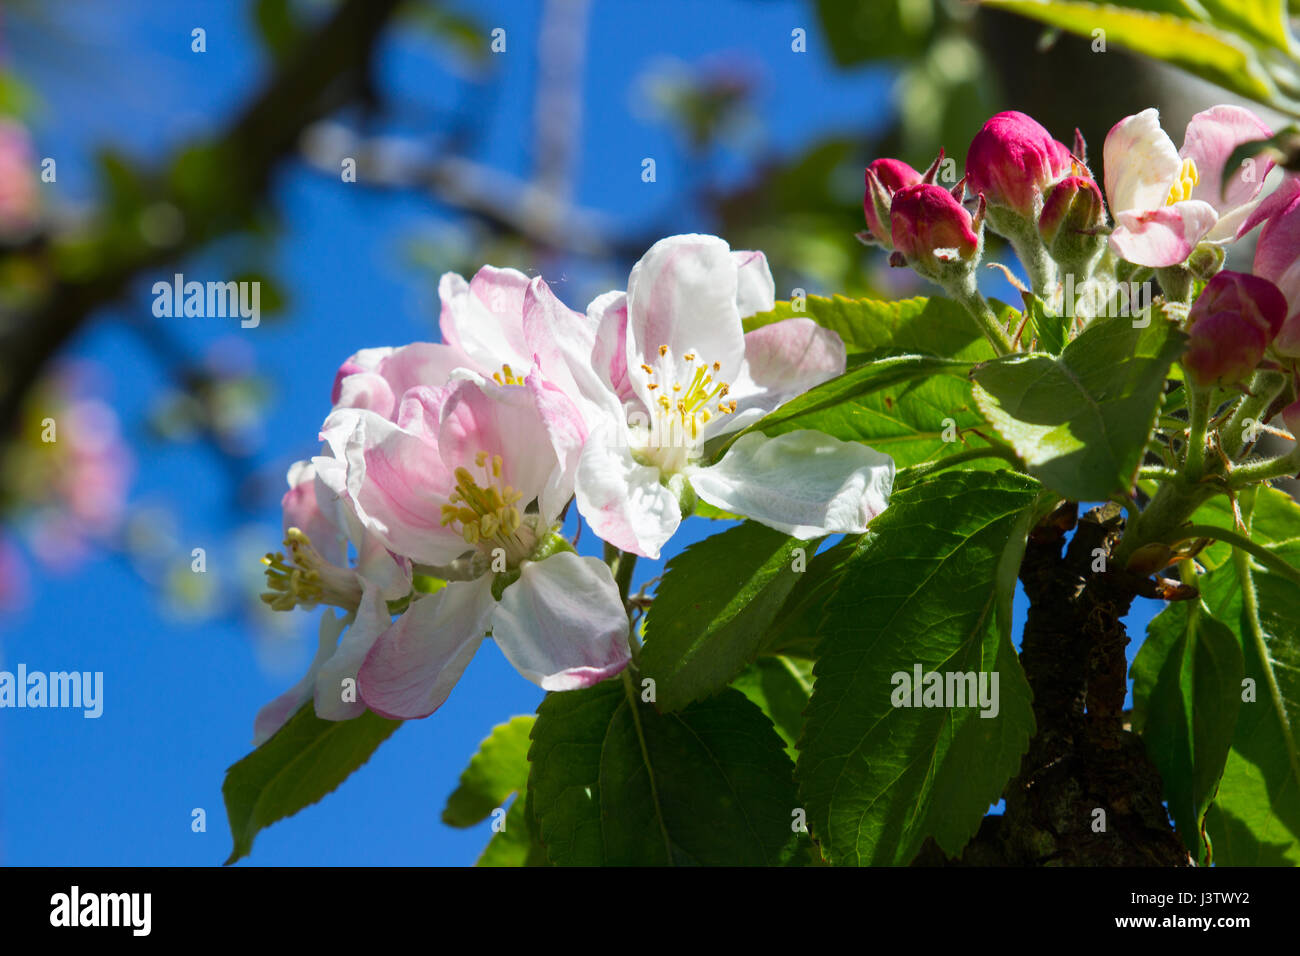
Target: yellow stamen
(1188, 177)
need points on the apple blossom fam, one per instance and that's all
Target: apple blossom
(449, 482)
(1165, 201)
(689, 373)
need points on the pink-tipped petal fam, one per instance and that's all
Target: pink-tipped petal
(562, 624)
(1164, 236)
(787, 358)
(1141, 163)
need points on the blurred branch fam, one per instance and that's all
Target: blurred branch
(330, 68)
(503, 201)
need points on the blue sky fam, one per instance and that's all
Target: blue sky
(180, 698)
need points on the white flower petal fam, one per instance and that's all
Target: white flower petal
(622, 499)
(562, 624)
(804, 483)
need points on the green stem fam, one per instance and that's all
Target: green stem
(1264, 387)
(1239, 542)
(1198, 416)
(1170, 507)
(1284, 466)
(622, 565)
(975, 304)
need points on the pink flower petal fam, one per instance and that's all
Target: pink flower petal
(1162, 237)
(415, 663)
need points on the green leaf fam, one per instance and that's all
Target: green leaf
(797, 627)
(913, 418)
(1255, 820)
(780, 687)
(615, 783)
(1191, 713)
(516, 844)
(1082, 421)
(498, 769)
(713, 607)
(1236, 46)
(931, 586)
(875, 328)
(306, 759)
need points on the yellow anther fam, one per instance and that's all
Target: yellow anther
(488, 524)
(511, 519)
(497, 464)
(480, 458)
(689, 356)
(470, 532)
(1188, 177)
(652, 386)
(717, 366)
(647, 369)
(663, 350)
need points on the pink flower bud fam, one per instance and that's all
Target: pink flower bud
(1013, 160)
(1291, 418)
(884, 177)
(1231, 326)
(929, 227)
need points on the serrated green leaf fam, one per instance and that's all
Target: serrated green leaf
(1081, 421)
(1255, 820)
(712, 609)
(306, 759)
(614, 785)
(932, 585)
(780, 687)
(1191, 713)
(498, 769)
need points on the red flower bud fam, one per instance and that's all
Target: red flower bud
(1231, 326)
(884, 177)
(1013, 160)
(929, 226)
